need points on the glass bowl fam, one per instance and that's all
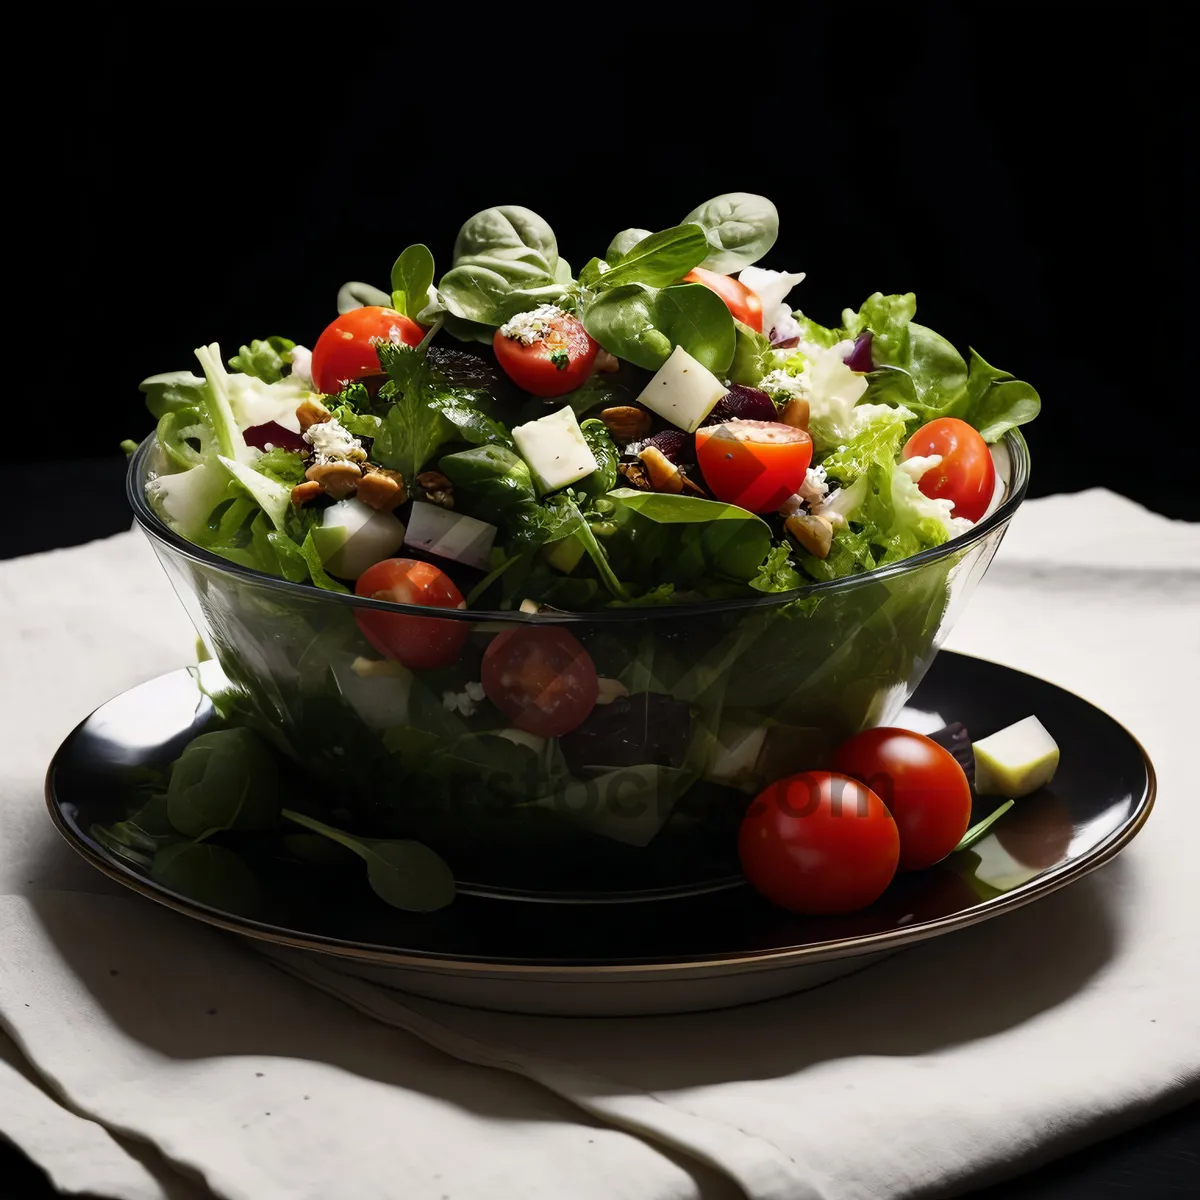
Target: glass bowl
(711, 702)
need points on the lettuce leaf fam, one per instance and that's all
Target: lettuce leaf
(266, 360)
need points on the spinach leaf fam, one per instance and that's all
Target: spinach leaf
(740, 227)
(505, 262)
(404, 874)
(643, 325)
(996, 401)
(412, 277)
(658, 260)
(682, 539)
(354, 295)
(605, 451)
(226, 779)
(208, 874)
(264, 360)
(623, 243)
(495, 481)
(174, 390)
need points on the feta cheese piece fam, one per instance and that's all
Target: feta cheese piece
(532, 326)
(331, 440)
(450, 535)
(916, 466)
(683, 391)
(1016, 761)
(555, 449)
(352, 537)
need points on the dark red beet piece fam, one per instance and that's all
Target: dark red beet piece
(274, 434)
(673, 444)
(859, 359)
(743, 403)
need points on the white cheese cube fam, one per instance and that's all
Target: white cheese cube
(555, 450)
(1016, 761)
(450, 535)
(683, 391)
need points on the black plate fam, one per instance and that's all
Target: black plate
(1099, 800)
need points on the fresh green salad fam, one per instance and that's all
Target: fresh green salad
(662, 426)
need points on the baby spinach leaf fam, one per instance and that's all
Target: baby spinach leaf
(496, 481)
(412, 276)
(623, 243)
(740, 227)
(643, 325)
(354, 295)
(506, 227)
(404, 874)
(208, 874)
(604, 449)
(658, 260)
(751, 356)
(226, 779)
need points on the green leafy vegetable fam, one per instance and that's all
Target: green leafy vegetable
(657, 260)
(402, 873)
(997, 402)
(268, 360)
(412, 277)
(740, 228)
(604, 449)
(980, 829)
(496, 481)
(283, 466)
(208, 874)
(226, 779)
(174, 390)
(623, 243)
(752, 356)
(777, 573)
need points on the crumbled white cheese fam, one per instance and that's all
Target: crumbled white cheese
(780, 383)
(475, 691)
(331, 440)
(815, 485)
(530, 327)
(463, 702)
(916, 466)
(301, 365)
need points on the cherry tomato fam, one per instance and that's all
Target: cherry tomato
(922, 784)
(819, 842)
(757, 464)
(966, 475)
(346, 350)
(739, 299)
(556, 363)
(541, 678)
(415, 642)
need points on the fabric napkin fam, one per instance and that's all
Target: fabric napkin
(966, 1058)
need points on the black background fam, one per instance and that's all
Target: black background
(1024, 169)
(216, 173)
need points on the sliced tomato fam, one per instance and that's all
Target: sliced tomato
(922, 784)
(541, 678)
(756, 464)
(966, 476)
(416, 642)
(346, 350)
(557, 361)
(739, 299)
(819, 842)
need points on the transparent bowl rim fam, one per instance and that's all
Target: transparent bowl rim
(158, 531)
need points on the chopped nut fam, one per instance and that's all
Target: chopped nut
(608, 690)
(664, 475)
(626, 423)
(382, 489)
(312, 412)
(815, 534)
(337, 479)
(635, 475)
(795, 413)
(607, 363)
(529, 607)
(302, 493)
(436, 488)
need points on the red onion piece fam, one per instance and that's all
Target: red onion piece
(273, 434)
(743, 403)
(859, 359)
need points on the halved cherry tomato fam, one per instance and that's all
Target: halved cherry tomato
(925, 789)
(739, 299)
(415, 642)
(966, 475)
(757, 464)
(819, 842)
(555, 363)
(346, 350)
(541, 678)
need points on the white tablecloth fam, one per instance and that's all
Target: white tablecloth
(148, 1057)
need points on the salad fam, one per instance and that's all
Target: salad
(662, 427)
(613, 486)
